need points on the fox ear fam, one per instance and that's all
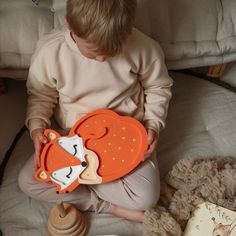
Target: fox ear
(41, 175)
(51, 134)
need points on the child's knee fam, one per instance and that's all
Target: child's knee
(148, 193)
(147, 198)
(25, 182)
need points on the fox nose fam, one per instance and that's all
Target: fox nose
(84, 163)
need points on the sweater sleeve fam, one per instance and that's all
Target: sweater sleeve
(157, 91)
(42, 93)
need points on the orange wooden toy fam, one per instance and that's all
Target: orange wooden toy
(101, 147)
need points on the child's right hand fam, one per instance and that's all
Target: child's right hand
(39, 139)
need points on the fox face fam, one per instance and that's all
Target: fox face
(67, 175)
(62, 161)
(223, 230)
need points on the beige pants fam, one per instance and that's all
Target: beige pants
(139, 190)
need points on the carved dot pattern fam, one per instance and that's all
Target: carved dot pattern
(116, 142)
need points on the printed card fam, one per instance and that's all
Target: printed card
(211, 220)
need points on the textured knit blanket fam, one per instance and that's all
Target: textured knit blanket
(189, 183)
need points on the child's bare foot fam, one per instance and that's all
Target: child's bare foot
(126, 213)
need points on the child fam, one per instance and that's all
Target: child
(99, 61)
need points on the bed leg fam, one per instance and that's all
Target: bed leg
(216, 71)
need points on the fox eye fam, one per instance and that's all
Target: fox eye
(75, 148)
(68, 175)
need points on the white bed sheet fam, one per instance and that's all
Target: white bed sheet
(200, 123)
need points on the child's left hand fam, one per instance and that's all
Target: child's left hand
(152, 143)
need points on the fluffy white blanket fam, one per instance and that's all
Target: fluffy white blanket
(189, 183)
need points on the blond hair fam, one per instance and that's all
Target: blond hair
(106, 23)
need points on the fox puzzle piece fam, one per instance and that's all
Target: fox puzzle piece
(101, 147)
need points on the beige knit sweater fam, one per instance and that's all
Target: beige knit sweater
(64, 82)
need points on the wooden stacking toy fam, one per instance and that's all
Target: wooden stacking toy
(101, 147)
(65, 220)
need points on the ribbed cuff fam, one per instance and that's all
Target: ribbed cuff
(149, 124)
(36, 124)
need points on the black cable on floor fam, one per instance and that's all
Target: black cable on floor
(208, 78)
(9, 152)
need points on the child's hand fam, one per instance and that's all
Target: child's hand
(152, 143)
(39, 139)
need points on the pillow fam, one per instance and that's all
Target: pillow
(191, 33)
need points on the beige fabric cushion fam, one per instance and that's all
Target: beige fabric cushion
(191, 33)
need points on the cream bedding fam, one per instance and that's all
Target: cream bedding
(201, 123)
(192, 33)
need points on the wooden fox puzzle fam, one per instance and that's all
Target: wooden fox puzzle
(101, 147)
